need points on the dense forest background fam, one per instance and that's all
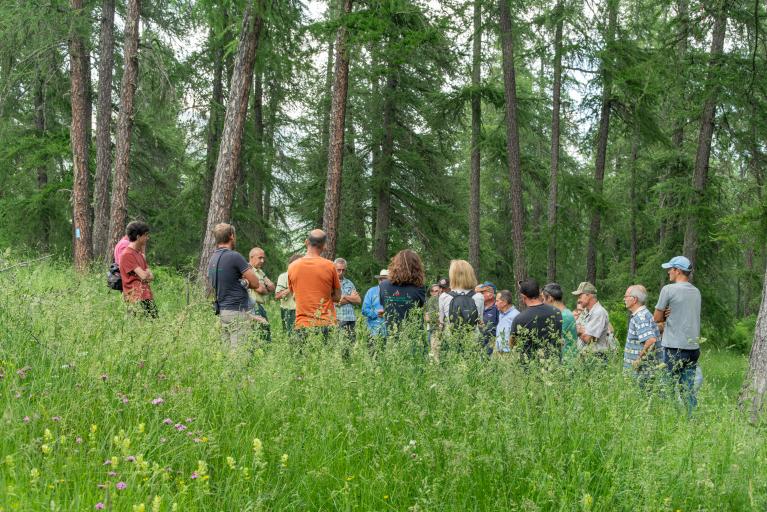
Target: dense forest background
(564, 140)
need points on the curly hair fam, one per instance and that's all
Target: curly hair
(406, 268)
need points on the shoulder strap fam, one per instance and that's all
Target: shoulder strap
(215, 279)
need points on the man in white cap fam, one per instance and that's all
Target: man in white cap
(372, 309)
(679, 306)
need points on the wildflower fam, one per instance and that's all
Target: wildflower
(194, 475)
(45, 449)
(115, 461)
(47, 435)
(34, 475)
(107, 462)
(141, 428)
(204, 439)
(386, 496)
(189, 420)
(18, 394)
(104, 377)
(158, 401)
(26, 419)
(22, 372)
(587, 501)
(156, 504)
(121, 485)
(139, 508)
(9, 461)
(99, 506)
(56, 418)
(112, 474)
(197, 440)
(79, 440)
(230, 462)
(130, 458)
(180, 427)
(284, 460)
(258, 447)
(125, 400)
(167, 421)
(101, 486)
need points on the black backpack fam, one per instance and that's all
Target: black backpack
(114, 280)
(462, 309)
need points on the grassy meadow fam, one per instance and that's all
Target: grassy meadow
(102, 410)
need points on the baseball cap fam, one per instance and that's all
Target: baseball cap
(585, 287)
(679, 262)
(488, 284)
(443, 283)
(382, 273)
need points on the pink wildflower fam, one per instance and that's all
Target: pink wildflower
(158, 401)
(112, 473)
(194, 475)
(99, 506)
(107, 462)
(167, 421)
(180, 427)
(27, 419)
(56, 418)
(79, 440)
(130, 458)
(121, 485)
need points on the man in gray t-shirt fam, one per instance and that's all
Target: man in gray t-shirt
(594, 326)
(679, 306)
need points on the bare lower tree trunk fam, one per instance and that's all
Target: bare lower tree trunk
(119, 203)
(103, 132)
(601, 158)
(326, 106)
(234, 124)
(755, 384)
(336, 142)
(476, 132)
(384, 175)
(702, 155)
(551, 273)
(512, 142)
(216, 107)
(79, 138)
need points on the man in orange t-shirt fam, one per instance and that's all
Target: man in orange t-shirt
(315, 285)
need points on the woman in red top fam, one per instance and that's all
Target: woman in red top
(134, 270)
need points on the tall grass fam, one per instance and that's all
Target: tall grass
(93, 397)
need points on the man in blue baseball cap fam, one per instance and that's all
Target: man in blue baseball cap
(679, 307)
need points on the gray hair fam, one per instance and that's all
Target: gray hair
(639, 292)
(341, 261)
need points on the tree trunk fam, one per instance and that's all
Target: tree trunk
(79, 140)
(326, 105)
(551, 273)
(702, 155)
(601, 158)
(42, 168)
(216, 107)
(119, 201)
(103, 132)
(384, 175)
(234, 125)
(336, 142)
(512, 142)
(755, 384)
(476, 132)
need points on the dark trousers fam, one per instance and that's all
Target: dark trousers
(288, 319)
(263, 329)
(348, 328)
(681, 365)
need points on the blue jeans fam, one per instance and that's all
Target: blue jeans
(681, 365)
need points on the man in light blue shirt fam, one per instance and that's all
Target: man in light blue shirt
(349, 297)
(506, 315)
(372, 309)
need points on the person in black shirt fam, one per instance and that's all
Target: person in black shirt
(403, 291)
(537, 329)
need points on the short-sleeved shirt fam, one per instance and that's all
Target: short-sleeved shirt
(682, 328)
(398, 300)
(229, 290)
(538, 327)
(345, 312)
(444, 304)
(569, 334)
(259, 298)
(312, 281)
(596, 323)
(287, 302)
(134, 289)
(503, 329)
(641, 328)
(120, 247)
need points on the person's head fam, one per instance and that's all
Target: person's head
(257, 257)
(435, 290)
(444, 284)
(137, 230)
(552, 293)
(462, 276)
(382, 275)
(224, 234)
(504, 300)
(487, 289)
(529, 290)
(340, 264)
(315, 241)
(678, 268)
(406, 268)
(587, 295)
(635, 297)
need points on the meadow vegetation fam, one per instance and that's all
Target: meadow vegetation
(103, 409)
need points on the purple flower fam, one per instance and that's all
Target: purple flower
(99, 506)
(180, 427)
(107, 462)
(27, 419)
(113, 473)
(56, 418)
(158, 401)
(194, 475)
(125, 400)
(189, 420)
(130, 458)
(167, 421)
(121, 485)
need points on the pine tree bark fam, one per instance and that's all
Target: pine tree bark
(601, 158)
(755, 384)
(103, 132)
(386, 169)
(234, 124)
(119, 202)
(337, 125)
(703, 153)
(512, 142)
(326, 105)
(476, 132)
(556, 105)
(216, 108)
(79, 139)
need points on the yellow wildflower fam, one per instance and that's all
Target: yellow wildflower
(230, 462)
(34, 475)
(141, 428)
(587, 501)
(45, 449)
(9, 461)
(139, 508)
(156, 503)
(94, 428)
(47, 435)
(284, 460)
(258, 447)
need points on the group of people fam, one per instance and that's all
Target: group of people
(316, 297)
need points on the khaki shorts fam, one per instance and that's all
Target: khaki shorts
(236, 327)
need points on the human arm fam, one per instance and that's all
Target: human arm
(251, 278)
(265, 286)
(144, 275)
(596, 323)
(335, 295)
(368, 308)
